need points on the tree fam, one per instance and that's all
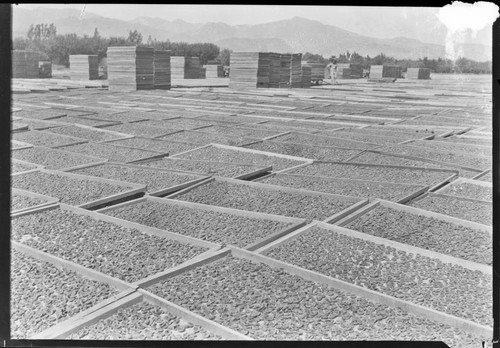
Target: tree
(342, 58)
(224, 57)
(41, 32)
(19, 43)
(150, 41)
(356, 58)
(96, 33)
(208, 52)
(313, 58)
(134, 37)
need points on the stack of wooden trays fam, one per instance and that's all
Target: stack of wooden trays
(356, 70)
(376, 71)
(343, 73)
(296, 71)
(161, 65)
(177, 65)
(392, 71)
(317, 70)
(103, 67)
(418, 73)
(306, 76)
(32, 60)
(380, 71)
(45, 69)
(285, 70)
(202, 73)
(193, 69)
(18, 64)
(130, 68)
(274, 70)
(214, 71)
(84, 67)
(249, 70)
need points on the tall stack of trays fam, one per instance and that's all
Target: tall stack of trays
(317, 70)
(249, 70)
(161, 65)
(381, 71)
(343, 73)
(32, 60)
(18, 64)
(418, 73)
(274, 70)
(177, 65)
(202, 73)
(296, 70)
(355, 70)
(193, 68)
(84, 67)
(306, 76)
(285, 70)
(214, 71)
(130, 68)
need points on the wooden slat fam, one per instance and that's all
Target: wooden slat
(91, 316)
(98, 215)
(192, 317)
(84, 271)
(203, 259)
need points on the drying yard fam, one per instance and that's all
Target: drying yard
(357, 211)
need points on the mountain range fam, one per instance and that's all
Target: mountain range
(291, 35)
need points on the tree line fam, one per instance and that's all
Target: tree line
(439, 65)
(44, 38)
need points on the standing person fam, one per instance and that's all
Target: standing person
(333, 70)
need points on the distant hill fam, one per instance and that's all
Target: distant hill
(386, 23)
(255, 45)
(292, 35)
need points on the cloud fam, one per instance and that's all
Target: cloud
(461, 16)
(461, 19)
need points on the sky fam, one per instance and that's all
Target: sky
(456, 16)
(230, 14)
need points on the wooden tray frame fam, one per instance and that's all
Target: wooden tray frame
(459, 181)
(243, 176)
(167, 132)
(474, 266)
(81, 141)
(359, 151)
(371, 295)
(419, 189)
(157, 155)
(22, 145)
(416, 211)
(357, 202)
(375, 296)
(453, 173)
(295, 222)
(133, 189)
(256, 152)
(420, 159)
(129, 298)
(52, 124)
(37, 166)
(365, 144)
(480, 175)
(200, 130)
(102, 130)
(161, 192)
(96, 159)
(48, 201)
